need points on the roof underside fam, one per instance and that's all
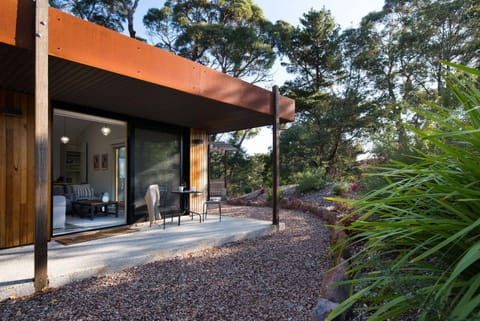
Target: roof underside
(133, 78)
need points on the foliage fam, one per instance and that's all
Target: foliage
(372, 180)
(401, 55)
(231, 36)
(332, 111)
(420, 233)
(111, 14)
(341, 188)
(245, 173)
(311, 180)
(281, 194)
(313, 51)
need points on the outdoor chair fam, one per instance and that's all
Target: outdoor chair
(217, 201)
(152, 199)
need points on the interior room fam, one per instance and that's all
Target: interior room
(88, 172)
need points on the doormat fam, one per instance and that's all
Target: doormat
(93, 235)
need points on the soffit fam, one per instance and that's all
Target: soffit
(101, 69)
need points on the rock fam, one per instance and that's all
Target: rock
(322, 309)
(295, 204)
(308, 207)
(330, 217)
(335, 293)
(338, 236)
(285, 203)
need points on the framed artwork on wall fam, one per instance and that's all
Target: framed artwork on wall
(96, 161)
(105, 161)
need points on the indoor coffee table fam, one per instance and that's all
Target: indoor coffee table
(96, 207)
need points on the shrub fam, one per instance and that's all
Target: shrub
(421, 232)
(341, 188)
(270, 194)
(311, 181)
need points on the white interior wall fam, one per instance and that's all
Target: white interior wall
(102, 179)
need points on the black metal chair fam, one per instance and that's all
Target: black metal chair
(217, 201)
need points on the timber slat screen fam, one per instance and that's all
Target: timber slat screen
(198, 168)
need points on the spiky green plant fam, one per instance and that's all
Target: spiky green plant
(420, 233)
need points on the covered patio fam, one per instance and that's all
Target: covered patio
(68, 263)
(52, 62)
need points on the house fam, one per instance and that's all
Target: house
(121, 115)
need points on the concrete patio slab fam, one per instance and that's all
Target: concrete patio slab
(81, 260)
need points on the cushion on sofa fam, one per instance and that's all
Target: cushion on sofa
(83, 192)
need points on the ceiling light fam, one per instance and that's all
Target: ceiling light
(64, 139)
(105, 130)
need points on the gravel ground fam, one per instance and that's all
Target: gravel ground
(271, 278)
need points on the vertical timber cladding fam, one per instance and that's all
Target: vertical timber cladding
(198, 168)
(17, 165)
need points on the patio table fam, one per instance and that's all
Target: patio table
(186, 205)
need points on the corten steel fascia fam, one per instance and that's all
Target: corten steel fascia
(16, 23)
(82, 42)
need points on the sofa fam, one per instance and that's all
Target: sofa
(73, 193)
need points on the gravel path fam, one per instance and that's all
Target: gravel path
(271, 278)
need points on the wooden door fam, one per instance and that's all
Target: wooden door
(17, 157)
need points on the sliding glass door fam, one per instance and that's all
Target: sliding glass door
(157, 161)
(88, 172)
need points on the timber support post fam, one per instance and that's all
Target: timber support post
(276, 157)
(42, 151)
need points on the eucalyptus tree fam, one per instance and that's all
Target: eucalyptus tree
(407, 39)
(112, 14)
(231, 36)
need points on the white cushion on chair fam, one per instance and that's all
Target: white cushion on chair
(152, 200)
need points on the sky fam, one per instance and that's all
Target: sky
(347, 13)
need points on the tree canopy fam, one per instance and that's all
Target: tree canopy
(112, 14)
(231, 36)
(358, 86)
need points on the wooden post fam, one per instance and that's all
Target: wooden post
(225, 169)
(276, 157)
(41, 145)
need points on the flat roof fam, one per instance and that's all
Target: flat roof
(95, 67)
